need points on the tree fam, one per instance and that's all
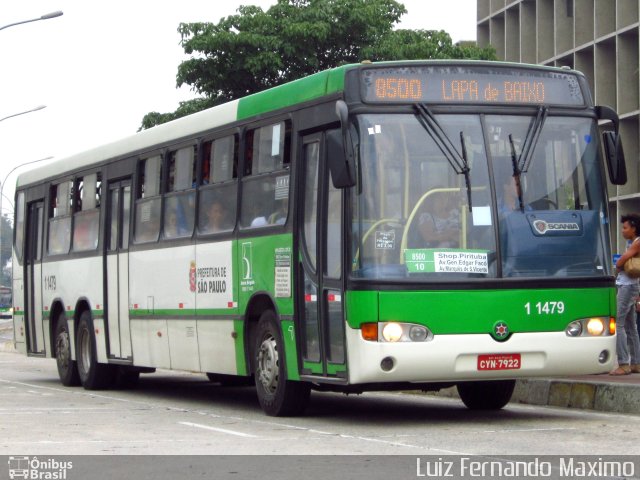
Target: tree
(255, 50)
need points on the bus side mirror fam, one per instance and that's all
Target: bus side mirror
(614, 155)
(340, 153)
(615, 158)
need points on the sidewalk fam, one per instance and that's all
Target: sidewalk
(604, 392)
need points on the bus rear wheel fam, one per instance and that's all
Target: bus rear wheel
(93, 375)
(67, 368)
(489, 395)
(278, 396)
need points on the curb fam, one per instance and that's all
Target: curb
(563, 393)
(603, 397)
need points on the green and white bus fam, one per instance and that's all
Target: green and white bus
(295, 238)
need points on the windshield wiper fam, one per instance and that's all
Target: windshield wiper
(516, 173)
(459, 162)
(521, 164)
(531, 139)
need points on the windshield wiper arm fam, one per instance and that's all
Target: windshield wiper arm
(459, 163)
(516, 173)
(466, 170)
(531, 139)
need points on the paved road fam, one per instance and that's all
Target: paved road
(181, 413)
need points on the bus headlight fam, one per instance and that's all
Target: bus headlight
(589, 327)
(404, 332)
(418, 333)
(574, 329)
(595, 326)
(392, 332)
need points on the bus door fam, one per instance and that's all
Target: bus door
(33, 278)
(117, 268)
(320, 305)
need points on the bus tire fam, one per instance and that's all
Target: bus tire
(93, 375)
(278, 396)
(67, 368)
(487, 395)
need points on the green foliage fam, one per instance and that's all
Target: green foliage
(255, 50)
(424, 44)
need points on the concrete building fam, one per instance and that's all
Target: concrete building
(596, 37)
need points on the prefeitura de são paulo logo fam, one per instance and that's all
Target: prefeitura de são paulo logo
(38, 469)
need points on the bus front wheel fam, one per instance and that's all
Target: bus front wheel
(93, 375)
(67, 368)
(277, 395)
(489, 395)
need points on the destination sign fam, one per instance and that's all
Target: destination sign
(470, 84)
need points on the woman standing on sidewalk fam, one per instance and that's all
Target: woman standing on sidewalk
(627, 341)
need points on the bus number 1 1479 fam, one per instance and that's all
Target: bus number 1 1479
(544, 308)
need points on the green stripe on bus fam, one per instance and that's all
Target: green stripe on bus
(298, 91)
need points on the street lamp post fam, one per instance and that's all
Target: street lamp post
(46, 16)
(35, 109)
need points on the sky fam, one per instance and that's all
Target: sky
(101, 66)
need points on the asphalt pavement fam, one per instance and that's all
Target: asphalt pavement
(603, 392)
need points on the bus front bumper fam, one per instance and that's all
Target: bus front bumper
(463, 357)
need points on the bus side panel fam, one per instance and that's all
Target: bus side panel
(265, 266)
(72, 280)
(215, 300)
(150, 342)
(163, 302)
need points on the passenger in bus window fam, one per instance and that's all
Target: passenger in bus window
(216, 218)
(439, 226)
(279, 217)
(260, 221)
(173, 227)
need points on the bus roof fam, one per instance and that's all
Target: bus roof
(282, 96)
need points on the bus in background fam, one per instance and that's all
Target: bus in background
(5, 302)
(401, 225)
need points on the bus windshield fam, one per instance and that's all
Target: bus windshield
(460, 196)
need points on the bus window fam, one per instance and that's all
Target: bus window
(220, 160)
(180, 199)
(86, 219)
(19, 239)
(148, 203)
(60, 218)
(265, 192)
(217, 208)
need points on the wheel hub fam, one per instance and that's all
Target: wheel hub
(268, 364)
(63, 352)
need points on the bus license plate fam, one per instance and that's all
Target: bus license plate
(506, 361)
